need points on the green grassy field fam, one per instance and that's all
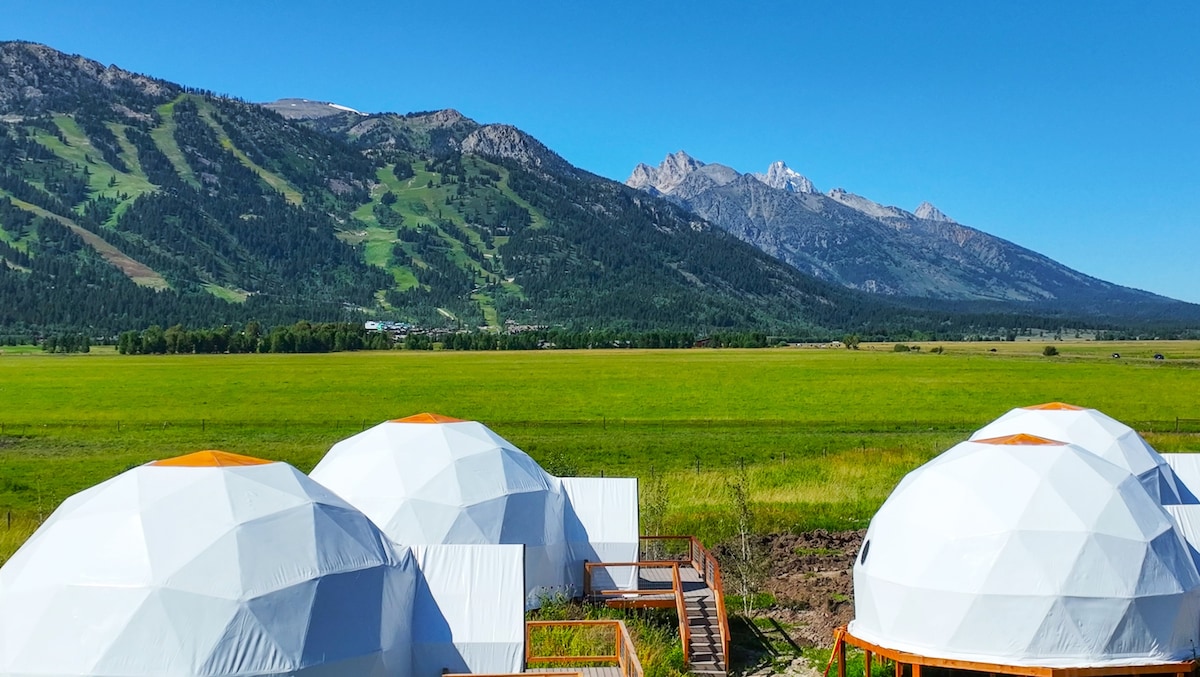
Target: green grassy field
(823, 435)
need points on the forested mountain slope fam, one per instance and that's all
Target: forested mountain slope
(127, 201)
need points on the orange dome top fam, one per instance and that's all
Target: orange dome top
(1054, 406)
(210, 459)
(1020, 439)
(427, 418)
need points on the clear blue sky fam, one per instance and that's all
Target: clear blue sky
(1070, 128)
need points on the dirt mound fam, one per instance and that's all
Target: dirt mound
(810, 577)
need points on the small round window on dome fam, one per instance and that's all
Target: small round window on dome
(862, 559)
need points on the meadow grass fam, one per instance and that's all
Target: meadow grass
(225, 293)
(823, 435)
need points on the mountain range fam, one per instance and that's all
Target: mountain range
(858, 243)
(126, 200)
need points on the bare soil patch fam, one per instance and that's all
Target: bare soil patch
(810, 577)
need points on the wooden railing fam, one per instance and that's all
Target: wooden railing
(689, 549)
(676, 591)
(685, 631)
(623, 654)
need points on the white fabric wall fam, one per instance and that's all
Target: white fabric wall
(469, 609)
(1187, 468)
(602, 526)
(1187, 520)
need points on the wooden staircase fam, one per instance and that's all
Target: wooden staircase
(678, 571)
(706, 654)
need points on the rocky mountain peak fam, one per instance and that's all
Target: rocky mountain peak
(667, 175)
(35, 78)
(506, 141)
(446, 117)
(780, 176)
(930, 213)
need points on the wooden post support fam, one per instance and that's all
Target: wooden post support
(899, 669)
(916, 671)
(867, 664)
(841, 659)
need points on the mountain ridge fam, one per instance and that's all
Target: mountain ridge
(234, 212)
(854, 241)
(127, 201)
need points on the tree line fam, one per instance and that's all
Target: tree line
(301, 337)
(308, 337)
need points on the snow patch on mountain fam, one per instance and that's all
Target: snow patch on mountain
(307, 109)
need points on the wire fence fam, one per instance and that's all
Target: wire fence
(25, 428)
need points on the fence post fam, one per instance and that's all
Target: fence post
(1176, 424)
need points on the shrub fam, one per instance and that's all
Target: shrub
(1049, 351)
(900, 348)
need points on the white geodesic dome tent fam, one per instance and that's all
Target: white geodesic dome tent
(1099, 434)
(430, 479)
(208, 564)
(1027, 552)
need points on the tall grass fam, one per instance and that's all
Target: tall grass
(655, 635)
(14, 531)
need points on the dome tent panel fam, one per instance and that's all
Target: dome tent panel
(348, 542)
(1098, 434)
(69, 636)
(1077, 541)
(541, 524)
(168, 618)
(288, 634)
(244, 604)
(417, 521)
(483, 523)
(338, 597)
(448, 481)
(196, 573)
(247, 629)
